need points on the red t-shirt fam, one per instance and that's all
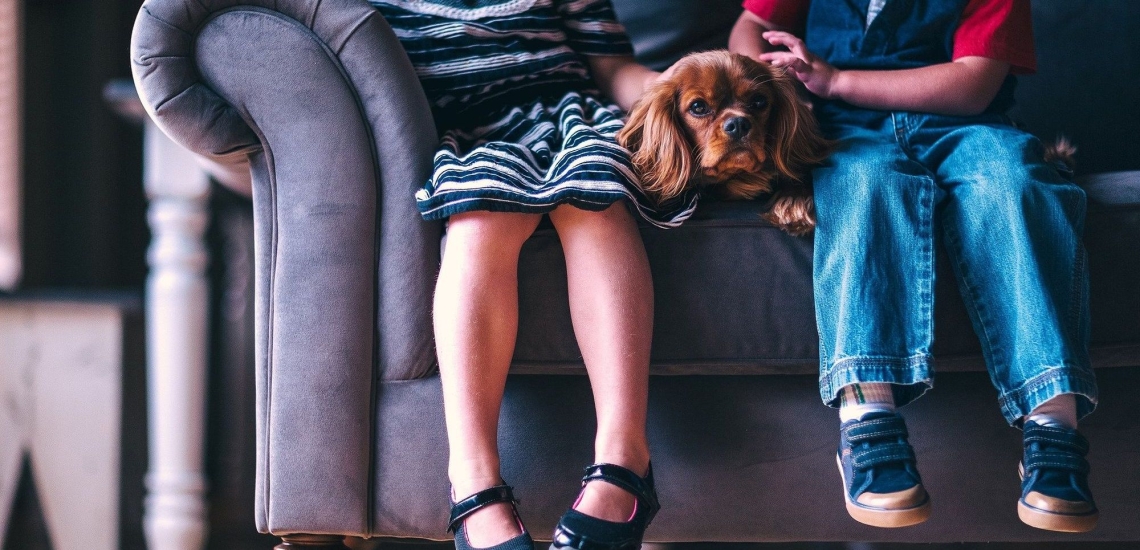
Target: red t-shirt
(997, 29)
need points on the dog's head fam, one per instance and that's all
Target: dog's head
(721, 118)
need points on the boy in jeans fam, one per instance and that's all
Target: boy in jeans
(914, 93)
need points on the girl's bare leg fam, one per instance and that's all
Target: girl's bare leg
(476, 322)
(611, 304)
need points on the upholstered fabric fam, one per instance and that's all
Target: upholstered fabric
(734, 294)
(752, 458)
(1090, 99)
(664, 31)
(309, 90)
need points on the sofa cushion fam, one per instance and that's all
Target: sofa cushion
(734, 294)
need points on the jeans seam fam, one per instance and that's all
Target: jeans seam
(1050, 377)
(1078, 314)
(876, 361)
(902, 365)
(926, 270)
(902, 127)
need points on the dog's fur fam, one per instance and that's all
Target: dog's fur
(1063, 151)
(677, 134)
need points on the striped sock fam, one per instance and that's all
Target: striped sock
(857, 400)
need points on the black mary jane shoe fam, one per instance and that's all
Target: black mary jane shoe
(460, 510)
(578, 531)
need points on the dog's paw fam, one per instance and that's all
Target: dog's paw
(792, 212)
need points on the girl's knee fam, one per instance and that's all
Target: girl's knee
(492, 228)
(616, 215)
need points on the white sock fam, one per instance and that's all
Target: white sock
(857, 400)
(1059, 412)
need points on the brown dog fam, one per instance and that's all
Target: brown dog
(726, 121)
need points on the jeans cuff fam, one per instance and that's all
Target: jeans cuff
(1055, 381)
(910, 377)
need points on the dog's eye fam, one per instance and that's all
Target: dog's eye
(698, 107)
(758, 102)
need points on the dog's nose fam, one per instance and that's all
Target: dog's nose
(737, 127)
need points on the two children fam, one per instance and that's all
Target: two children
(913, 92)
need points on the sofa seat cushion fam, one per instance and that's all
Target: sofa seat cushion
(734, 294)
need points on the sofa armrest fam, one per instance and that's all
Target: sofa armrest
(324, 104)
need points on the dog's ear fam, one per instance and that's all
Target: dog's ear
(661, 150)
(797, 143)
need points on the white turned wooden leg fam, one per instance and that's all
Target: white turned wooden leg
(176, 310)
(11, 142)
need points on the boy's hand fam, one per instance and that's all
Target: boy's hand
(817, 75)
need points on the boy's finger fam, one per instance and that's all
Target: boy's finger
(799, 66)
(778, 37)
(777, 58)
(789, 41)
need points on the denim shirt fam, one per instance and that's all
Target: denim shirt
(906, 34)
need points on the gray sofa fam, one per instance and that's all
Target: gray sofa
(319, 102)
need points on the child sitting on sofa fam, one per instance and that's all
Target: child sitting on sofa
(524, 94)
(914, 93)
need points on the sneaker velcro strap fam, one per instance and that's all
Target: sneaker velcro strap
(891, 427)
(469, 505)
(865, 459)
(1051, 460)
(642, 488)
(1057, 437)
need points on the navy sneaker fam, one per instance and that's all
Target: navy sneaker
(880, 476)
(1054, 480)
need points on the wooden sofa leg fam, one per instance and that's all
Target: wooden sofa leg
(311, 542)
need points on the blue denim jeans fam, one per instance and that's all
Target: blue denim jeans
(1011, 224)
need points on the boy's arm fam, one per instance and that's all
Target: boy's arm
(747, 36)
(621, 78)
(962, 87)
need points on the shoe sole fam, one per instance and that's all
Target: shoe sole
(1052, 521)
(881, 517)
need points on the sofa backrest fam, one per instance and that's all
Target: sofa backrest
(665, 30)
(1087, 86)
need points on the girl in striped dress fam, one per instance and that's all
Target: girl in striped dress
(523, 93)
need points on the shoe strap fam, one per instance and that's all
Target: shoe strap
(641, 488)
(1051, 460)
(887, 427)
(1057, 437)
(460, 510)
(883, 453)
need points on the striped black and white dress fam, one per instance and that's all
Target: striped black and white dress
(523, 126)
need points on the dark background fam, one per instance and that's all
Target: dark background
(85, 230)
(84, 210)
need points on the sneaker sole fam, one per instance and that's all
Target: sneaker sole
(1052, 521)
(881, 517)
